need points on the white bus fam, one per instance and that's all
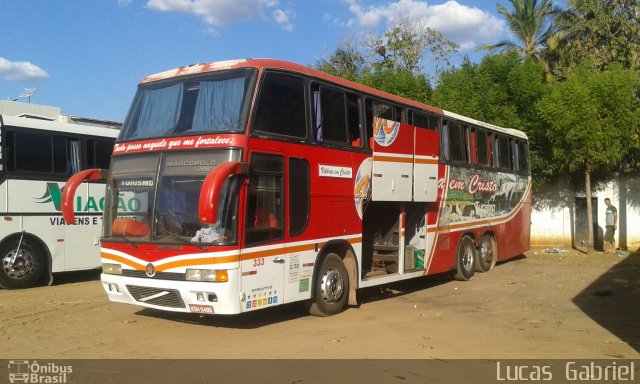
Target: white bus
(36, 158)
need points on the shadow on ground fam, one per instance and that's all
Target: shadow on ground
(63, 278)
(613, 300)
(293, 311)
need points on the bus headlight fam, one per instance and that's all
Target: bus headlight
(214, 275)
(112, 269)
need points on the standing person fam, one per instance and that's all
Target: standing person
(611, 222)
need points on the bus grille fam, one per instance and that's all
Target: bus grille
(157, 296)
(159, 276)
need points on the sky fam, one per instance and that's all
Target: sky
(87, 57)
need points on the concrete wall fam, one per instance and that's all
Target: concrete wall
(558, 214)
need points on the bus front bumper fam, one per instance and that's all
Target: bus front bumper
(176, 296)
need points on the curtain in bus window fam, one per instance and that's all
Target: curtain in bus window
(219, 105)
(159, 111)
(445, 141)
(516, 155)
(496, 153)
(74, 156)
(317, 116)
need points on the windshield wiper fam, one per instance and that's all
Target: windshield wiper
(131, 243)
(183, 241)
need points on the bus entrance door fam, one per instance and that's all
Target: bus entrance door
(82, 240)
(263, 261)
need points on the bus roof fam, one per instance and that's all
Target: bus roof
(48, 125)
(508, 131)
(195, 69)
(200, 68)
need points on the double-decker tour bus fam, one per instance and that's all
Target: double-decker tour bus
(36, 158)
(262, 182)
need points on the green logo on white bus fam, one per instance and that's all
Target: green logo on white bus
(53, 194)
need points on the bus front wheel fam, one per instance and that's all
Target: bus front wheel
(331, 287)
(466, 259)
(22, 264)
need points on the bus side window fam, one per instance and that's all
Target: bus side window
(482, 147)
(281, 107)
(491, 150)
(524, 157)
(98, 153)
(383, 110)
(434, 123)
(400, 114)
(42, 153)
(299, 195)
(29, 152)
(375, 108)
(353, 120)
(521, 156)
(420, 120)
(503, 153)
(469, 141)
(334, 115)
(264, 199)
(458, 142)
(369, 121)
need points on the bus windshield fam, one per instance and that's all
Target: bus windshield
(154, 197)
(215, 103)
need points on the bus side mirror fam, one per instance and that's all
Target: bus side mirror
(69, 190)
(211, 187)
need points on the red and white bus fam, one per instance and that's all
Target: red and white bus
(257, 183)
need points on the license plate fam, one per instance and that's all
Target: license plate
(200, 308)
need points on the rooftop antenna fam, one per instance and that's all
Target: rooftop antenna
(27, 93)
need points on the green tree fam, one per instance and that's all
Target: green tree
(503, 90)
(593, 123)
(600, 31)
(399, 82)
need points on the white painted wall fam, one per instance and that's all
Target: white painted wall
(552, 216)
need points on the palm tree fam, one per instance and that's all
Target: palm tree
(531, 21)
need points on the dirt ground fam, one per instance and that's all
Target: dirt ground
(538, 305)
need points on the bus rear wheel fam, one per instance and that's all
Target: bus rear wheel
(487, 255)
(20, 267)
(331, 287)
(465, 259)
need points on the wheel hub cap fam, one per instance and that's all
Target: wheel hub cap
(467, 260)
(19, 267)
(332, 286)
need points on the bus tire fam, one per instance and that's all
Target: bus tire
(331, 287)
(26, 269)
(465, 259)
(487, 255)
